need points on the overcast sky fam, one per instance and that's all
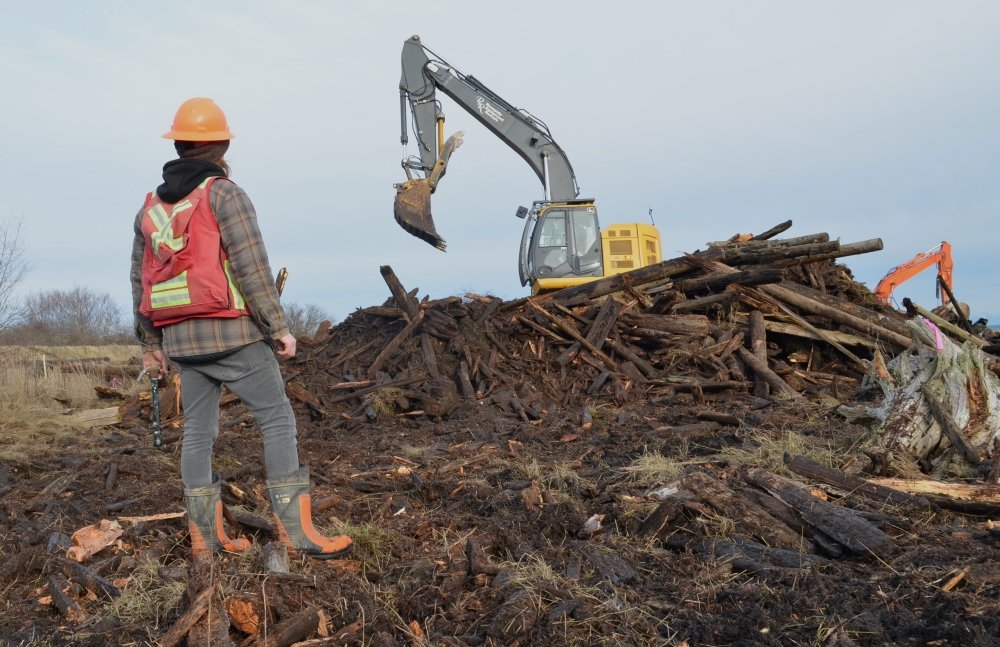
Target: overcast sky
(861, 119)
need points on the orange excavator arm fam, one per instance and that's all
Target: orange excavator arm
(941, 256)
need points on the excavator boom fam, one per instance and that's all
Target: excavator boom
(423, 74)
(940, 256)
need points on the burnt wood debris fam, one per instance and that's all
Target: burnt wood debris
(745, 341)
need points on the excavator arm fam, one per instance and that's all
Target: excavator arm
(423, 74)
(941, 256)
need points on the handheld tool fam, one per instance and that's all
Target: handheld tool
(154, 381)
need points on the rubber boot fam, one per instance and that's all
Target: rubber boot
(208, 535)
(292, 508)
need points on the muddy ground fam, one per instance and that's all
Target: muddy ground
(473, 529)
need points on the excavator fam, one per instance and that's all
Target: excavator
(562, 243)
(940, 256)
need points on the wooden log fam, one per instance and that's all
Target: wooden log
(740, 547)
(757, 339)
(575, 334)
(690, 382)
(678, 324)
(193, 614)
(879, 315)
(722, 299)
(753, 520)
(427, 352)
(798, 331)
(779, 386)
(854, 485)
(598, 331)
(290, 631)
(716, 282)
(856, 534)
(943, 324)
(61, 600)
(821, 237)
(962, 319)
(962, 497)
(950, 427)
(403, 300)
(717, 416)
(112, 478)
(773, 231)
(464, 381)
(857, 361)
(652, 274)
(414, 314)
(87, 577)
(839, 316)
(623, 350)
(849, 249)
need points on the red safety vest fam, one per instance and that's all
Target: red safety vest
(185, 270)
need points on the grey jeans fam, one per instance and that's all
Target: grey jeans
(252, 374)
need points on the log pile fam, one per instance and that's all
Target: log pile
(776, 318)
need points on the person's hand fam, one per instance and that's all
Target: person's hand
(285, 346)
(155, 358)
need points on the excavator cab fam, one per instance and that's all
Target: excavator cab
(561, 243)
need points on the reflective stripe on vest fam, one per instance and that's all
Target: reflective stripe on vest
(164, 234)
(234, 289)
(171, 293)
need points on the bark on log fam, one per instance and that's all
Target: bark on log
(187, 620)
(721, 299)
(838, 316)
(798, 331)
(943, 324)
(986, 505)
(678, 324)
(850, 249)
(962, 319)
(846, 528)
(753, 520)
(876, 314)
(65, 603)
(717, 282)
(950, 427)
(773, 231)
(298, 627)
(780, 387)
(854, 485)
(575, 334)
(664, 270)
(758, 346)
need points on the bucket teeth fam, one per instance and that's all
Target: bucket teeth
(412, 210)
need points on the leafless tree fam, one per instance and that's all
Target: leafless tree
(303, 321)
(76, 316)
(13, 267)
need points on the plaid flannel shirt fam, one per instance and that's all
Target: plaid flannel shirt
(248, 258)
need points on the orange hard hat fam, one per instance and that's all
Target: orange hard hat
(199, 120)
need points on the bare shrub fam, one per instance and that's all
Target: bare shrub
(304, 320)
(13, 267)
(79, 316)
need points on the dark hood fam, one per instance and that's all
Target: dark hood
(182, 176)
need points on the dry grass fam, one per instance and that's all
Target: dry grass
(34, 397)
(767, 450)
(147, 599)
(372, 544)
(653, 468)
(562, 476)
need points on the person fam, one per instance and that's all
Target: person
(204, 299)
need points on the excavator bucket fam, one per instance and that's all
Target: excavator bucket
(412, 207)
(412, 210)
